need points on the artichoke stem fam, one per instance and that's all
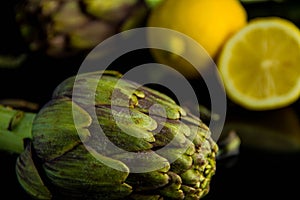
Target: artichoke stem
(15, 126)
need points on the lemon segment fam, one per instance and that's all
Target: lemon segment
(260, 64)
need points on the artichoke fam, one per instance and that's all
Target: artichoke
(64, 27)
(159, 151)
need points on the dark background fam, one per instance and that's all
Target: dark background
(253, 174)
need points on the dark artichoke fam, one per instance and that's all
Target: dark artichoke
(64, 27)
(68, 158)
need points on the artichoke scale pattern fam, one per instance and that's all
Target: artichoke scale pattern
(79, 166)
(64, 27)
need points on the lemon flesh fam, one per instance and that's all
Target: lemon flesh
(260, 64)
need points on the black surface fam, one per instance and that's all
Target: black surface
(255, 175)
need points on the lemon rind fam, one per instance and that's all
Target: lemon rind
(225, 56)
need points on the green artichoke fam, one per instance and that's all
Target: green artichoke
(68, 158)
(64, 27)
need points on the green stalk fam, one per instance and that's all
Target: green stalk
(15, 126)
(10, 62)
(270, 131)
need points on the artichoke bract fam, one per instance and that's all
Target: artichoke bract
(64, 27)
(67, 158)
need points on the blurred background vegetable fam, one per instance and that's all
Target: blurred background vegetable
(62, 27)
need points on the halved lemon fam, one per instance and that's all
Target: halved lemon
(260, 64)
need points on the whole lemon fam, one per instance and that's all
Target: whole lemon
(208, 22)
